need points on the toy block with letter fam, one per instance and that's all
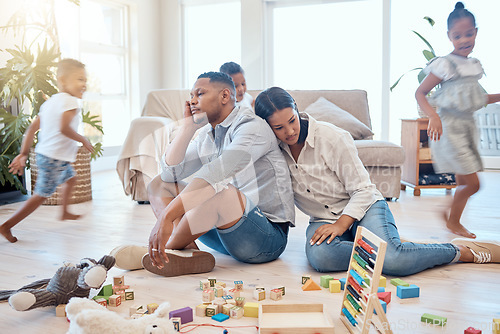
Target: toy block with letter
(115, 300)
(305, 278)
(176, 321)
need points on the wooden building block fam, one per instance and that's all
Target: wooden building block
(212, 281)
(305, 278)
(211, 310)
(324, 281)
(186, 314)
(219, 302)
(405, 292)
(115, 300)
(433, 319)
(151, 307)
(240, 301)
(106, 290)
(335, 286)
(220, 317)
(236, 312)
(276, 294)
(204, 285)
(384, 306)
(136, 309)
(472, 330)
(234, 293)
(382, 282)
(207, 295)
(129, 294)
(398, 281)
(259, 294)
(385, 296)
(282, 288)
(101, 301)
(201, 310)
(251, 310)
(220, 284)
(176, 321)
(218, 291)
(310, 285)
(119, 280)
(226, 308)
(380, 289)
(496, 326)
(342, 281)
(61, 310)
(238, 285)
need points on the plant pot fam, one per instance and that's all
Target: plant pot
(82, 191)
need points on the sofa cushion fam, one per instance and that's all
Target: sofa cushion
(380, 153)
(324, 110)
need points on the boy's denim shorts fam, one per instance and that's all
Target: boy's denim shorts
(51, 173)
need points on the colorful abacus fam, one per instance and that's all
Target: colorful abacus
(360, 295)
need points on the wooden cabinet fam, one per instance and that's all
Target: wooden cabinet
(418, 161)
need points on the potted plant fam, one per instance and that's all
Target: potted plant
(27, 79)
(428, 55)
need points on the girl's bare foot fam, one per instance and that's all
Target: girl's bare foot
(7, 234)
(457, 228)
(70, 216)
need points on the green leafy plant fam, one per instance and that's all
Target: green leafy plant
(28, 78)
(428, 55)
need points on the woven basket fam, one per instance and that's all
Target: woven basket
(82, 191)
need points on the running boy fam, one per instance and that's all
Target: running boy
(58, 123)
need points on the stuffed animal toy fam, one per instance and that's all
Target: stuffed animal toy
(69, 281)
(88, 317)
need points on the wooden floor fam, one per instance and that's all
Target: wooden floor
(467, 294)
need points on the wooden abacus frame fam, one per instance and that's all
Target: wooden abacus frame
(368, 303)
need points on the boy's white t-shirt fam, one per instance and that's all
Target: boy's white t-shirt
(246, 101)
(51, 142)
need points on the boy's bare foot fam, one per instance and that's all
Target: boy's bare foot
(7, 234)
(457, 228)
(70, 216)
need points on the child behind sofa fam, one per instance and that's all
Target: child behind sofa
(235, 71)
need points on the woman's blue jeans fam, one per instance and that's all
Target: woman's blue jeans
(401, 258)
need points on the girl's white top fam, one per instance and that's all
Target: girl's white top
(460, 90)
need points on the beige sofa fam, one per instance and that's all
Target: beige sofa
(148, 136)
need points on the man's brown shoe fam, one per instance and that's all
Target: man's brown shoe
(182, 262)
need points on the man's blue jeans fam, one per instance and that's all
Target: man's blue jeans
(253, 239)
(401, 259)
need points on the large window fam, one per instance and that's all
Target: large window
(334, 45)
(212, 36)
(100, 41)
(406, 50)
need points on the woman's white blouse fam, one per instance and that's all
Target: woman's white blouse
(328, 178)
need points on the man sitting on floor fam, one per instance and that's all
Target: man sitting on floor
(239, 200)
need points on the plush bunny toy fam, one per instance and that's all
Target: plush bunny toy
(69, 281)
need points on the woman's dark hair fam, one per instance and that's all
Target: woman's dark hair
(275, 98)
(458, 13)
(231, 68)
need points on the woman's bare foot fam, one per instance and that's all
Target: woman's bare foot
(7, 234)
(70, 216)
(457, 228)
